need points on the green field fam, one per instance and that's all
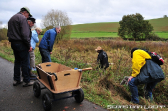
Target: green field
(89, 34)
(162, 34)
(76, 34)
(110, 29)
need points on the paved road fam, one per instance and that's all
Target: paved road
(18, 98)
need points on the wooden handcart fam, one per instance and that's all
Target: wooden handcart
(58, 78)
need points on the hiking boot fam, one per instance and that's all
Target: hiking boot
(28, 84)
(15, 83)
(150, 99)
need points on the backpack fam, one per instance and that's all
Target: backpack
(156, 58)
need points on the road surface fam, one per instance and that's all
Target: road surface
(18, 98)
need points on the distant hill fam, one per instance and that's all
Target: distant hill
(160, 24)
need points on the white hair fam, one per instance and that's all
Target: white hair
(57, 27)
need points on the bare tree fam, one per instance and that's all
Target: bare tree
(58, 18)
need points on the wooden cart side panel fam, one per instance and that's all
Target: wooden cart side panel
(50, 67)
(63, 68)
(68, 80)
(53, 82)
(43, 78)
(79, 78)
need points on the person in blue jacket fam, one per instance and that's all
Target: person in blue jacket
(144, 71)
(47, 42)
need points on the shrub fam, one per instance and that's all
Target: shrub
(3, 34)
(153, 37)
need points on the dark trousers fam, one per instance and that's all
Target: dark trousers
(45, 54)
(134, 90)
(21, 53)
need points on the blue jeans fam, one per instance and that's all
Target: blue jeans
(45, 54)
(134, 90)
(21, 53)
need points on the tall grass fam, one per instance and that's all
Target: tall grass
(106, 89)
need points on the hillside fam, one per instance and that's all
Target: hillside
(160, 24)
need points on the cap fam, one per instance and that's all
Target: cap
(27, 9)
(32, 19)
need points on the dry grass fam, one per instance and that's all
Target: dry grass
(81, 53)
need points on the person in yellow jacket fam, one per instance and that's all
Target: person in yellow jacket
(144, 71)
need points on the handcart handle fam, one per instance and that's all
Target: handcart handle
(90, 68)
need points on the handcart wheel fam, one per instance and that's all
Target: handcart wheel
(79, 95)
(46, 102)
(36, 89)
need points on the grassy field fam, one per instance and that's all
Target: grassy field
(162, 34)
(89, 34)
(110, 29)
(160, 25)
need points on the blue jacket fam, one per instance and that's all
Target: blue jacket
(48, 39)
(150, 72)
(34, 39)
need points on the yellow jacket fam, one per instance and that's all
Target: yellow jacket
(138, 61)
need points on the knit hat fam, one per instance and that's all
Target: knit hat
(32, 19)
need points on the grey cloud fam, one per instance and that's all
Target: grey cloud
(86, 11)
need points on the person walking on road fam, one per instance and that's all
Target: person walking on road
(47, 42)
(19, 36)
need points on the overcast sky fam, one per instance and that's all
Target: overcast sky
(86, 11)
